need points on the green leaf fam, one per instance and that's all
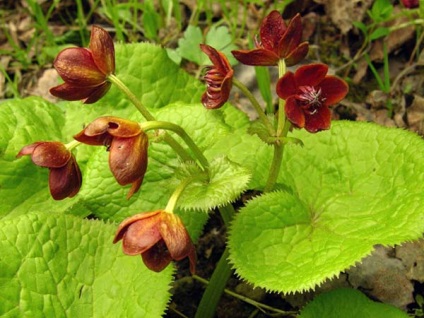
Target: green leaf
(217, 37)
(379, 33)
(57, 265)
(343, 196)
(226, 182)
(348, 303)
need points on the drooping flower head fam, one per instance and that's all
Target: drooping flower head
(308, 93)
(127, 144)
(277, 41)
(218, 77)
(84, 71)
(159, 237)
(64, 176)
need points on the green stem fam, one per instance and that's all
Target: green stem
(220, 276)
(172, 202)
(255, 104)
(148, 116)
(214, 289)
(281, 102)
(73, 144)
(274, 171)
(248, 300)
(180, 132)
(283, 127)
(123, 88)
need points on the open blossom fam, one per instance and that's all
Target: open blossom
(159, 237)
(277, 41)
(127, 144)
(84, 71)
(308, 93)
(65, 176)
(218, 78)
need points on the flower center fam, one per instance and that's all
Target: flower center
(310, 98)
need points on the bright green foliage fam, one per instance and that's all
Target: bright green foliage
(225, 183)
(348, 303)
(347, 189)
(56, 265)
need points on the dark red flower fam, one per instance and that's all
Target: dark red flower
(127, 144)
(410, 4)
(218, 78)
(159, 237)
(84, 71)
(278, 41)
(308, 93)
(65, 175)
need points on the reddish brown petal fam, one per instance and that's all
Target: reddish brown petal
(311, 74)
(272, 29)
(214, 98)
(119, 127)
(141, 235)
(298, 54)
(128, 158)
(320, 120)
(101, 46)
(97, 93)
(70, 92)
(218, 59)
(291, 38)
(157, 258)
(28, 149)
(257, 57)
(333, 89)
(294, 112)
(122, 228)
(286, 86)
(76, 66)
(66, 181)
(50, 154)
(175, 236)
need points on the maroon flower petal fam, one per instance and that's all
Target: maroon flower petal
(97, 93)
(311, 74)
(128, 158)
(102, 49)
(333, 90)
(70, 92)
(298, 54)
(219, 60)
(157, 258)
(120, 127)
(76, 66)
(141, 235)
(294, 112)
(286, 86)
(321, 120)
(50, 154)
(291, 37)
(65, 182)
(257, 57)
(175, 236)
(216, 97)
(128, 221)
(272, 27)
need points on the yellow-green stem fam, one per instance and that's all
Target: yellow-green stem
(181, 132)
(172, 202)
(283, 126)
(148, 116)
(73, 144)
(255, 104)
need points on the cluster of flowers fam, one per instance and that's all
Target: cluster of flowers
(160, 236)
(308, 92)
